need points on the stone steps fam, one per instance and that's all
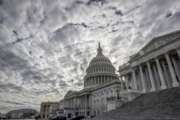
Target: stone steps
(161, 105)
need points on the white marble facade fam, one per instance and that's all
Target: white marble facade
(92, 101)
(155, 67)
(100, 85)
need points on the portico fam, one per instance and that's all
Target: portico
(156, 66)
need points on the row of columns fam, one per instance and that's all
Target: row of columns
(153, 72)
(98, 80)
(101, 69)
(84, 105)
(79, 104)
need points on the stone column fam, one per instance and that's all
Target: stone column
(142, 79)
(171, 69)
(166, 75)
(86, 101)
(163, 85)
(105, 78)
(155, 76)
(178, 52)
(122, 87)
(134, 79)
(96, 80)
(153, 88)
(102, 79)
(89, 81)
(176, 68)
(99, 80)
(126, 80)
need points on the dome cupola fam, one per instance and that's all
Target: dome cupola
(100, 70)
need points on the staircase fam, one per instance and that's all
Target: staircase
(161, 105)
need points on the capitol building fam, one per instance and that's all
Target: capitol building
(155, 67)
(101, 89)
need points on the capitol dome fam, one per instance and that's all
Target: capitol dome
(100, 70)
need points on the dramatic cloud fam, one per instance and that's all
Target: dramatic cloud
(46, 44)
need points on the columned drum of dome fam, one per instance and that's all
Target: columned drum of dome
(100, 70)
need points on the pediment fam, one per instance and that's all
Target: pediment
(158, 42)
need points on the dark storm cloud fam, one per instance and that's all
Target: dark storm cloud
(132, 9)
(18, 39)
(11, 102)
(9, 59)
(46, 45)
(117, 40)
(155, 14)
(63, 84)
(61, 35)
(79, 83)
(45, 92)
(7, 87)
(29, 74)
(1, 2)
(173, 24)
(11, 11)
(102, 2)
(118, 12)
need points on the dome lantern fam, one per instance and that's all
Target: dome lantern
(99, 50)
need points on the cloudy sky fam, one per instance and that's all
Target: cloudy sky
(45, 45)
